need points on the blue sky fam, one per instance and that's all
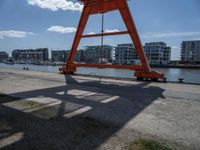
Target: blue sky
(52, 23)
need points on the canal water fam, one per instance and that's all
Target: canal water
(172, 74)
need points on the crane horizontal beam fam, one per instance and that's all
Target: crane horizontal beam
(105, 34)
(131, 67)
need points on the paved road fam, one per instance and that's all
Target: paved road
(54, 107)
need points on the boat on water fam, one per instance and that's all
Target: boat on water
(9, 62)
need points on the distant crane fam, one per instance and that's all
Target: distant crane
(91, 7)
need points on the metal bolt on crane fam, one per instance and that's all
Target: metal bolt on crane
(92, 7)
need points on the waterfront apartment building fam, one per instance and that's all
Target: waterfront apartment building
(125, 54)
(3, 56)
(190, 51)
(80, 56)
(156, 53)
(31, 55)
(63, 55)
(94, 54)
(59, 55)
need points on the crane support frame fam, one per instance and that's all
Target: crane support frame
(92, 7)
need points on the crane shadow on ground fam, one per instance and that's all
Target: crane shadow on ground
(78, 115)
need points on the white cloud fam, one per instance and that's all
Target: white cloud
(90, 33)
(196, 39)
(14, 34)
(106, 31)
(111, 30)
(61, 29)
(55, 5)
(169, 34)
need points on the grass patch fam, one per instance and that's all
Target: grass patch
(145, 144)
(92, 122)
(25, 103)
(2, 95)
(6, 98)
(28, 103)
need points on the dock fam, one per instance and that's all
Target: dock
(52, 110)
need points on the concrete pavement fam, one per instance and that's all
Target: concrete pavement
(121, 110)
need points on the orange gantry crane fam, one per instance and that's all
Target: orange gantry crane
(92, 7)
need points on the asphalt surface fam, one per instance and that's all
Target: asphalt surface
(75, 112)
